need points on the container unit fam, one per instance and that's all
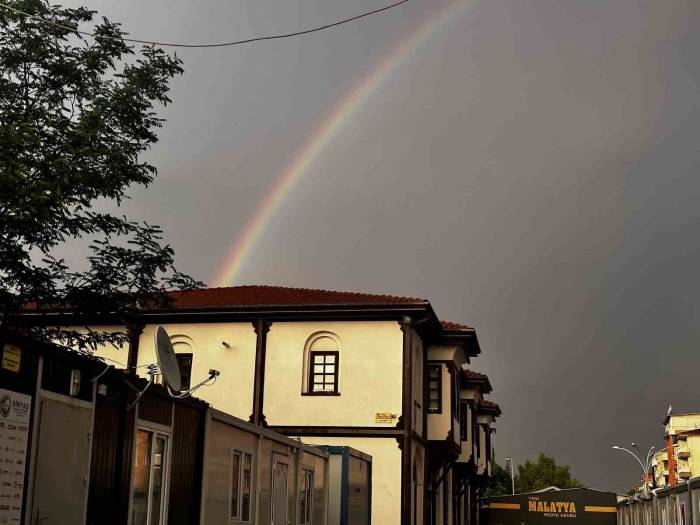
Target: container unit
(146, 457)
(88, 453)
(350, 486)
(256, 476)
(672, 505)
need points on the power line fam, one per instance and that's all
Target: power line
(217, 44)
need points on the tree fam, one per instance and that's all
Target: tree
(500, 483)
(542, 473)
(76, 115)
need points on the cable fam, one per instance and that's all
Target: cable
(219, 44)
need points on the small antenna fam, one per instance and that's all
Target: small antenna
(152, 373)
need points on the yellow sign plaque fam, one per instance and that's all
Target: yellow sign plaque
(386, 418)
(11, 357)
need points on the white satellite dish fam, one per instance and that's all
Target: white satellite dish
(167, 362)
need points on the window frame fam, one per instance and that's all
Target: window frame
(186, 385)
(238, 517)
(155, 431)
(310, 386)
(306, 512)
(437, 410)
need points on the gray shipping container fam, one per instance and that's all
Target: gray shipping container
(350, 486)
(256, 476)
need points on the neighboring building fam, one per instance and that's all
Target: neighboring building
(682, 436)
(473, 465)
(659, 467)
(381, 374)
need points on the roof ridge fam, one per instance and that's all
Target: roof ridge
(301, 289)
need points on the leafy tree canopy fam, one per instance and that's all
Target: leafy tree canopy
(499, 484)
(76, 115)
(530, 476)
(543, 472)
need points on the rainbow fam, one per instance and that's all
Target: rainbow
(322, 136)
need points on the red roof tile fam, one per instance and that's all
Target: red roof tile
(280, 296)
(474, 375)
(448, 325)
(490, 406)
(470, 376)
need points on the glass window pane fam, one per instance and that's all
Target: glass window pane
(318, 369)
(142, 477)
(318, 358)
(245, 489)
(158, 480)
(330, 369)
(235, 477)
(330, 359)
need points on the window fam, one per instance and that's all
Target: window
(184, 362)
(148, 495)
(463, 421)
(306, 496)
(241, 464)
(323, 378)
(321, 374)
(435, 389)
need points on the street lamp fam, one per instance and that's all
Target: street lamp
(646, 465)
(512, 478)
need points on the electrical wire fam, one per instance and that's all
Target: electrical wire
(217, 44)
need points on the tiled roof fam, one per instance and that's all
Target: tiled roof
(448, 325)
(490, 406)
(280, 296)
(470, 376)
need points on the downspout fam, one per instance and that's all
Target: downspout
(407, 418)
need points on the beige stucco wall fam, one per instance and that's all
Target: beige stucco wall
(369, 381)
(386, 473)
(115, 356)
(233, 391)
(693, 446)
(440, 424)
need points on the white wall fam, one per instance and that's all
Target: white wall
(369, 381)
(233, 391)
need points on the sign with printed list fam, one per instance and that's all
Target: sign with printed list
(14, 429)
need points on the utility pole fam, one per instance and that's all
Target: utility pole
(509, 462)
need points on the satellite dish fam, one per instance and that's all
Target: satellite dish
(167, 362)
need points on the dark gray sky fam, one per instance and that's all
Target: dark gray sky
(532, 170)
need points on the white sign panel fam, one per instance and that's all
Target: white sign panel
(14, 430)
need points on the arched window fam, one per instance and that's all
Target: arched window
(184, 353)
(321, 364)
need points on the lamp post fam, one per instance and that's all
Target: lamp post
(509, 462)
(646, 464)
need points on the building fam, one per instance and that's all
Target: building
(659, 468)
(91, 445)
(381, 374)
(553, 506)
(681, 460)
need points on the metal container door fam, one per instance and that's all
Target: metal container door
(280, 489)
(63, 463)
